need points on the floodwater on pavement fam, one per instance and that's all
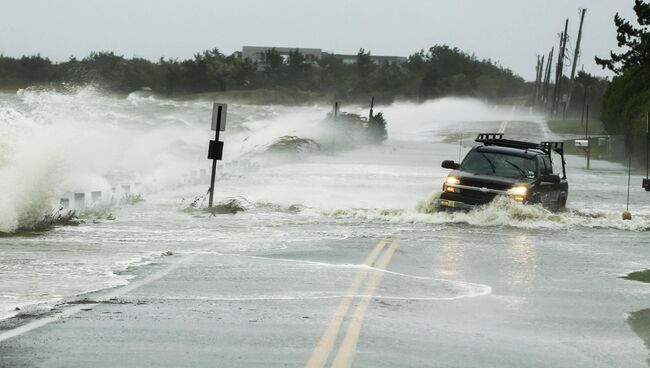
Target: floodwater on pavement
(54, 144)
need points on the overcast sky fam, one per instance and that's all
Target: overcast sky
(511, 32)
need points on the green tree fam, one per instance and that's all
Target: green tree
(365, 68)
(440, 71)
(635, 40)
(627, 98)
(273, 68)
(299, 70)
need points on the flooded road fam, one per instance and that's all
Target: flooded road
(335, 259)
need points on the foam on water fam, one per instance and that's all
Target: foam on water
(502, 212)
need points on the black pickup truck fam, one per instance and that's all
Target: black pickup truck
(520, 170)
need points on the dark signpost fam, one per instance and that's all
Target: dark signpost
(336, 115)
(646, 181)
(215, 150)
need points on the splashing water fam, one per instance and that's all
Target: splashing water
(502, 212)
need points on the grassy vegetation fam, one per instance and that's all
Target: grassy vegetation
(47, 222)
(642, 276)
(573, 126)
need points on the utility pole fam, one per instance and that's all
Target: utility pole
(547, 78)
(560, 68)
(372, 104)
(557, 72)
(576, 56)
(537, 81)
(538, 96)
(539, 69)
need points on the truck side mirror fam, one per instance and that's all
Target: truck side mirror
(555, 179)
(450, 164)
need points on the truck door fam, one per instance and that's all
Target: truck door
(550, 192)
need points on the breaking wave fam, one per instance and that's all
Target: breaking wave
(55, 142)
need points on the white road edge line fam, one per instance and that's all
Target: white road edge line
(67, 312)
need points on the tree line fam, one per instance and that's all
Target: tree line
(439, 71)
(626, 101)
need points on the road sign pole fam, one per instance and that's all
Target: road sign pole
(214, 171)
(645, 183)
(215, 150)
(336, 115)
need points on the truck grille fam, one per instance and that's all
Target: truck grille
(480, 184)
(472, 197)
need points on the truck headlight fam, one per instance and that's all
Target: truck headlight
(518, 192)
(452, 180)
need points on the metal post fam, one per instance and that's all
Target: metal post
(214, 163)
(629, 174)
(372, 104)
(587, 136)
(588, 151)
(584, 103)
(647, 142)
(587, 121)
(336, 114)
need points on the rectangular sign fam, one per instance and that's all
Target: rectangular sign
(582, 143)
(219, 112)
(215, 150)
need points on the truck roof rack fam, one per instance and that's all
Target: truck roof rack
(496, 139)
(558, 147)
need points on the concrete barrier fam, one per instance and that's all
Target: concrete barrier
(96, 196)
(79, 201)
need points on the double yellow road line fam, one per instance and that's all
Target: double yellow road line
(348, 346)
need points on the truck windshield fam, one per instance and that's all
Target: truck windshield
(499, 164)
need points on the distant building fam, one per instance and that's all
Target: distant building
(254, 53)
(377, 59)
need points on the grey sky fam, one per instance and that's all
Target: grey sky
(512, 32)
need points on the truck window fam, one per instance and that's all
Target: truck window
(546, 168)
(499, 164)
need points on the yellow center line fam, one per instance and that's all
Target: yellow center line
(322, 350)
(348, 347)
